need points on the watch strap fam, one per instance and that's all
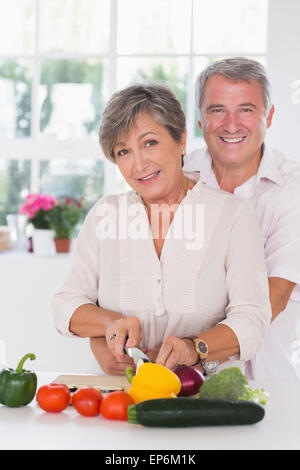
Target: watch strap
(196, 340)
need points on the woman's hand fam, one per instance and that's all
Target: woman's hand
(106, 360)
(152, 353)
(127, 331)
(175, 351)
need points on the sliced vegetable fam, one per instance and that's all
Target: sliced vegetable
(259, 395)
(186, 412)
(115, 405)
(86, 401)
(53, 398)
(153, 381)
(18, 387)
(103, 389)
(139, 363)
(191, 380)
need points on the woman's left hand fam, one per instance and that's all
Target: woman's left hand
(126, 331)
(175, 351)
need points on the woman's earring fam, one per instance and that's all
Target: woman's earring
(182, 158)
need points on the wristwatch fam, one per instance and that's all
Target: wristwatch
(200, 346)
(209, 367)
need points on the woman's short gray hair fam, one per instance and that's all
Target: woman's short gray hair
(236, 69)
(126, 105)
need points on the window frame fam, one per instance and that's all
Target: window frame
(37, 148)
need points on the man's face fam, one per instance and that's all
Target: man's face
(233, 120)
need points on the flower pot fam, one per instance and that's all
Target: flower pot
(63, 245)
(43, 242)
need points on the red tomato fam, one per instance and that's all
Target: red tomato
(53, 397)
(87, 401)
(115, 404)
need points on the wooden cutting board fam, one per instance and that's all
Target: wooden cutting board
(104, 382)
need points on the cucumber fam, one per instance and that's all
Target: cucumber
(184, 412)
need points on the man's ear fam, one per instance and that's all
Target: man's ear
(200, 124)
(270, 116)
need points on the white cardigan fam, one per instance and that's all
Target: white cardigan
(184, 292)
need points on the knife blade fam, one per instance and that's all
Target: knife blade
(137, 354)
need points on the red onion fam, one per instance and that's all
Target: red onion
(191, 380)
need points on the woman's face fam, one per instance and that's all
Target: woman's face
(150, 159)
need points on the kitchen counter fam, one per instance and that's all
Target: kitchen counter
(31, 428)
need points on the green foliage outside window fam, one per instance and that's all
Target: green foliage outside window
(15, 177)
(170, 78)
(72, 71)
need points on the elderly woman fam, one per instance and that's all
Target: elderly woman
(173, 266)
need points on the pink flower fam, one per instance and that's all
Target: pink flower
(35, 202)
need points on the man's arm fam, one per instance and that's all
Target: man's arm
(280, 292)
(107, 360)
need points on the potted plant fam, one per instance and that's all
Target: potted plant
(37, 208)
(63, 219)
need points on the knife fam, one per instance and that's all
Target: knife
(137, 354)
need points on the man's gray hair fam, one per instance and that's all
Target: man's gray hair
(126, 105)
(236, 69)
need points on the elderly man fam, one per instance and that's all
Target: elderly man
(235, 111)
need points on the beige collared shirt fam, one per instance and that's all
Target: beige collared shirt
(274, 192)
(217, 277)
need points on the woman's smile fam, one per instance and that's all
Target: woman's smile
(149, 178)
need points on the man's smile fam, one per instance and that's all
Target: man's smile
(233, 140)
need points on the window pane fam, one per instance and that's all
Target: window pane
(15, 98)
(73, 178)
(75, 26)
(159, 26)
(122, 186)
(71, 96)
(14, 186)
(17, 26)
(230, 27)
(172, 72)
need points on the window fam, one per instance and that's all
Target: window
(61, 61)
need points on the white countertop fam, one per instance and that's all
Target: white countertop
(31, 428)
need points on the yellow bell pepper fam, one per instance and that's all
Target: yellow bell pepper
(153, 381)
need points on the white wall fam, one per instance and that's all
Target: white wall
(27, 284)
(284, 71)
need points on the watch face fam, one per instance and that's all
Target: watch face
(210, 367)
(202, 347)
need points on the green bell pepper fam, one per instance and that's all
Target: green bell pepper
(18, 387)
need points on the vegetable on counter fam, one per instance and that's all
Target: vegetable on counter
(53, 397)
(18, 387)
(231, 384)
(186, 412)
(191, 380)
(86, 401)
(153, 381)
(115, 405)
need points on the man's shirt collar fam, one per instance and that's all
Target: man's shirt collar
(268, 168)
